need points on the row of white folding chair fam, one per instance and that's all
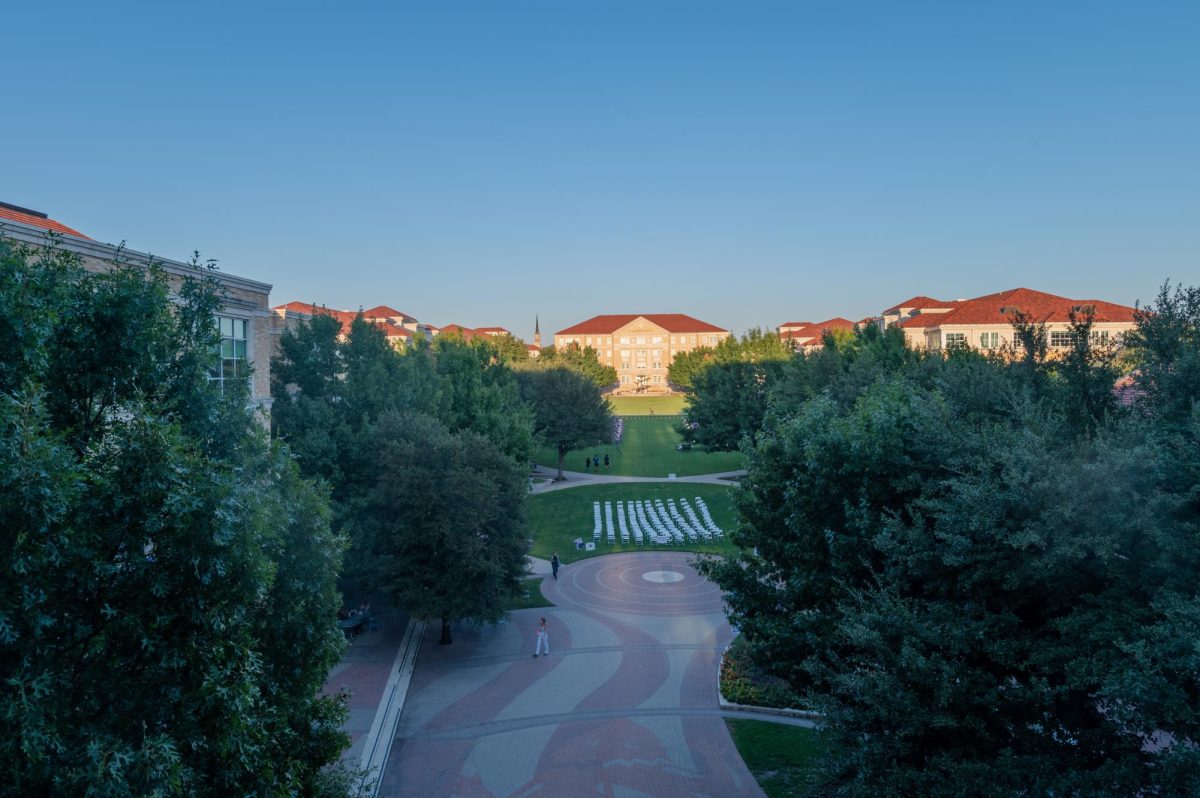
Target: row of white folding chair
(621, 522)
(610, 532)
(716, 530)
(686, 518)
(598, 524)
(661, 522)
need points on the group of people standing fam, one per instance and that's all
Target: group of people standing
(593, 462)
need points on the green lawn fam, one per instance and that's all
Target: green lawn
(647, 405)
(531, 596)
(782, 758)
(558, 517)
(647, 450)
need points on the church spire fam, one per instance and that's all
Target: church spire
(537, 332)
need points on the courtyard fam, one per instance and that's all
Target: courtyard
(625, 703)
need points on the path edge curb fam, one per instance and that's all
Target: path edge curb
(383, 729)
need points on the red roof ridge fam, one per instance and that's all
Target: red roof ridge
(15, 213)
(610, 323)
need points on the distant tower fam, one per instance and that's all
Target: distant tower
(537, 333)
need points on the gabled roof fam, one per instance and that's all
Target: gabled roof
(923, 320)
(394, 330)
(671, 322)
(385, 312)
(919, 303)
(796, 324)
(815, 330)
(458, 329)
(493, 330)
(1041, 307)
(344, 317)
(15, 213)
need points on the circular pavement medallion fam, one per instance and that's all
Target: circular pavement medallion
(662, 577)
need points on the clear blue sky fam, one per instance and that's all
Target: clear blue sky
(747, 163)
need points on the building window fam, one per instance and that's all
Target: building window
(233, 363)
(1100, 337)
(955, 339)
(625, 364)
(989, 340)
(656, 339)
(625, 339)
(1061, 339)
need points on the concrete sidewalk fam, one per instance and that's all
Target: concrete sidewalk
(579, 479)
(374, 674)
(624, 705)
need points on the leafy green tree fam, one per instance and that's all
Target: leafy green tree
(686, 365)
(164, 562)
(730, 387)
(445, 521)
(509, 348)
(583, 360)
(978, 572)
(481, 395)
(568, 409)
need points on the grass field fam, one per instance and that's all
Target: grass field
(558, 517)
(647, 405)
(531, 596)
(782, 758)
(647, 450)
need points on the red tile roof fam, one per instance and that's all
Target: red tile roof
(16, 214)
(919, 303)
(385, 312)
(342, 316)
(796, 324)
(671, 322)
(491, 330)
(458, 329)
(393, 330)
(1042, 307)
(815, 330)
(923, 320)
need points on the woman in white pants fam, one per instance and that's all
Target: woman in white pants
(543, 639)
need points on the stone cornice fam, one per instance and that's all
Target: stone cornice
(30, 234)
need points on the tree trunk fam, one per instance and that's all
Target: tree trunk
(446, 638)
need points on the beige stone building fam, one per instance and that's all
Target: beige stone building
(245, 320)
(641, 347)
(986, 322)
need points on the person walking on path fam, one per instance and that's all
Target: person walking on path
(554, 563)
(543, 639)
(587, 464)
(605, 462)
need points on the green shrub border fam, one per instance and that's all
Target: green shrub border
(743, 682)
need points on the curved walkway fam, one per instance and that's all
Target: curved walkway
(625, 705)
(578, 479)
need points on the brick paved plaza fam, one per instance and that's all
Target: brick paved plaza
(625, 705)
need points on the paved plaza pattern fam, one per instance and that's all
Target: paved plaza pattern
(624, 706)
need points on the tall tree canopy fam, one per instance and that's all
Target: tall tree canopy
(444, 521)
(329, 392)
(583, 360)
(568, 408)
(980, 569)
(167, 612)
(729, 388)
